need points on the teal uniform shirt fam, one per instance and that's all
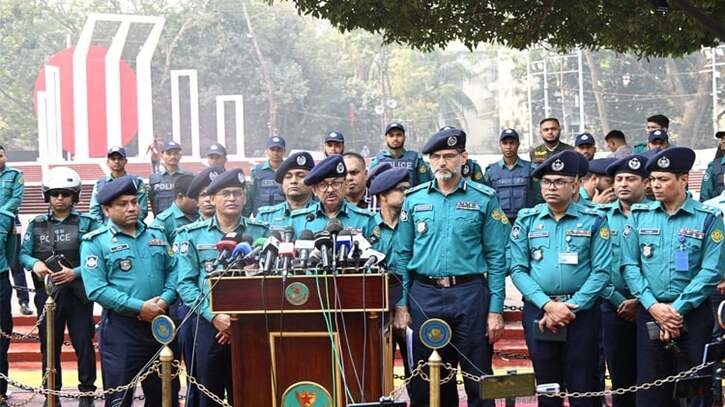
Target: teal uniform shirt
(461, 233)
(141, 195)
(195, 249)
(120, 271)
(674, 258)
(709, 181)
(12, 186)
(383, 240)
(7, 222)
(171, 220)
(571, 256)
(86, 224)
(616, 291)
(411, 160)
(314, 219)
(278, 216)
(472, 171)
(584, 195)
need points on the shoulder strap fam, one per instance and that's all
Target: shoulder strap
(709, 220)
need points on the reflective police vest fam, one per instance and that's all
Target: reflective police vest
(408, 160)
(512, 186)
(267, 191)
(161, 189)
(717, 174)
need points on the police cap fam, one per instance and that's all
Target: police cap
(567, 163)
(509, 133)
(633, 164)
(233, 178)
(202, 180)
(444, 140)
(658, 135)
(119, 186)
(216, 149)
(599, 166)
(377, 170)
(300, 160)
(584, 139)
(331, 167)
(678, 160)
(388, 180)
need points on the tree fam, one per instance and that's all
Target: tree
(645, 28)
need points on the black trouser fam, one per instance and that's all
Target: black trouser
(19, 279)
(620, 350)
(6, 325)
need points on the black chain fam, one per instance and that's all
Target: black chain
(519, 308)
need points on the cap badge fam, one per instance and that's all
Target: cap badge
(557, 165)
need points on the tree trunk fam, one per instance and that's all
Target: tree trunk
(598, 97)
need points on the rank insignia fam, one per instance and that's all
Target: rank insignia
(647, 250)
(604, 233)
(716, 236)
(504, 219)
(125, 264)
(422, 169)
(118, 248)
(91, 262)
(537, 254)
(421, 227)
(540, 226)
(515, 232)
(496, 214)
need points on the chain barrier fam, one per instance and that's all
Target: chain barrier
(519, 308)
(29, 335)
(198, 385)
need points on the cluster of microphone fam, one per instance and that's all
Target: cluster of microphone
(333, 250)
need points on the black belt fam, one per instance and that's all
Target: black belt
(449, 281)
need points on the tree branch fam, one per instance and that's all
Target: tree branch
(710, 24)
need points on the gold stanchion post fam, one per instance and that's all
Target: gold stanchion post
(50, 348)
(167, 356)
(434, 362)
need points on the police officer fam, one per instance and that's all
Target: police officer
(658, 139)
(672, 258)
(596, 185)
(619, 307)
(390, 187)
(290, 175)
(182, 212)
(439, 219)
(398, 156)
(511, 177)
(59, 234)
(471, 169)
(655, 122)
(356, 181)
(196, 252)
(333, 143)
(617, 144)
(550, 131)
(560, 259)
(373, 172)
(327, 180)
(197, 191)
(161, 184)
(265, 191)
(116, 161)
(216, 155)
(128, 269)
(12, 185)
(712, 180)
(585, 145)
(18, 273)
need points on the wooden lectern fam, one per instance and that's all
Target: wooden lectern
(322, 329)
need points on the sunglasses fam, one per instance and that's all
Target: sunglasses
(62, 194)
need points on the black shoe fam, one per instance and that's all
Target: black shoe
(25, 309)
(86, 402)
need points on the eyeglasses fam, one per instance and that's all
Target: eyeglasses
(557, 183)
(62, 194)
(445, 157)
(231, 193)
(325, 186)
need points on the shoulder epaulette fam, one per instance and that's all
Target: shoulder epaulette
(92, 234)
(418, 188)
(528, 211)
(251, 222)
(709, 209)
(360, 211)
(39, 218)
(303, 211)
(156, 226)
(268, 209)
(195, 225)
(593, 210)
(163, 215)
(88, 216)
(484, 189)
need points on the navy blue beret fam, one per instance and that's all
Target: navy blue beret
(119, 186)
(331, 167)
(445, 139)
(216, 149)
(388, 180)
(446, 128)
(233, 178)
(172, 145)
(584, 139)
(657, 135)
(300, 160)
(377, 170)
(335, 136)
(599, 166)
(564, 163)
(509, 133)
(276, 141)
(394, 125)
(583, 166)
(202, 180)
(117, 150)
(633, 164)
(674, 159)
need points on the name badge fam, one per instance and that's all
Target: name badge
(157, 242)
(206, 247)
(471, 206)
(649, 232)
(569, 258)
(423, 208)
(534, 235)
(118, 248)
(585, 233)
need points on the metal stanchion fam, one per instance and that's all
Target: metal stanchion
(167, 356)
(434, 363)
(50, 348)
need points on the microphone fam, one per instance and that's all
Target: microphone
(257, 247)
(304, 245)
(343, 246)
(240, 252)
(360, 242)
(287, 254)
(373, 257)
(315, 258)
(288, 234)
(322, 243)
(225, 247)
(334, 227)
(271, 248)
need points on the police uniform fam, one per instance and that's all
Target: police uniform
(172, 219)
(120, 273)
(541, 152)
(12, 186)
(314, 218)
(712, 180)
(443, 256)
(675, 259)
(143, 204)
(410, 160)
(278, 216)
(161, 184)
(202, 180)
(44, 237)
(471, 170)
(195, 248)
(620, 336)
(265, 191)
(6, 320)
(565, 261)
(370, 201)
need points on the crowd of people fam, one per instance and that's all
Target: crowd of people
(601, 249)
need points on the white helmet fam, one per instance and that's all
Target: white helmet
(62, 178)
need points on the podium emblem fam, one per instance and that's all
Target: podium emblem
(306, 394)
(435, 333)
(297, 293)
(163, 329)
